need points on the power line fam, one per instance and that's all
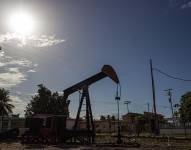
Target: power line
(170, 76)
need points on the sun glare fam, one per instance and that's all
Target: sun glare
(22, 23)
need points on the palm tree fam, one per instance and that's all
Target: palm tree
(5, 106)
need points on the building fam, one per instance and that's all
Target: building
(151, 116)
(11, 122)
(101, 126)
(131, 117)
(133, 122)
(105, 126)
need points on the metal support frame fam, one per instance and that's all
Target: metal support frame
(89, 117)
(87, 136)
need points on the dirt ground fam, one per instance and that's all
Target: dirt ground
(145, 144)
(18, 146)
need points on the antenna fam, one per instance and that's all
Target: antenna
(127, 103)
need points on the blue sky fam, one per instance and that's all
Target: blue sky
(75, 38)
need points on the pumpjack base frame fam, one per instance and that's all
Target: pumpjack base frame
(88, 134)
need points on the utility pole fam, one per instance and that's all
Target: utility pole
(127, 103)
(154, 99)
(119, 140)
(148, 107)
(169, 93)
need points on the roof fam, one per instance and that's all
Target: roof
(47, 115)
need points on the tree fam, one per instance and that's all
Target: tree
(108, 117)
(176, 110)
(5, 106)
(139, 124)
(113, 118)
(185, 107)
(46, 102)
(102, 117)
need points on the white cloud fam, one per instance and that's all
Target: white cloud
(32, 94)
(11, 79)
(180, 4)
(14, 71)
(19, 103)
(186, 5)
(31, 70)
(32, 40)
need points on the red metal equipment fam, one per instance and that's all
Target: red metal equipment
(44, 128)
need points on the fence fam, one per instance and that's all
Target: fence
(176, 128)
(7, 123)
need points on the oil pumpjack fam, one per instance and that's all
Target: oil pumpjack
(106, 71)
(56, 130)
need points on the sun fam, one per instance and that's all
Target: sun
(22, 23)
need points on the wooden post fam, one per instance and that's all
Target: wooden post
(154, 100)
